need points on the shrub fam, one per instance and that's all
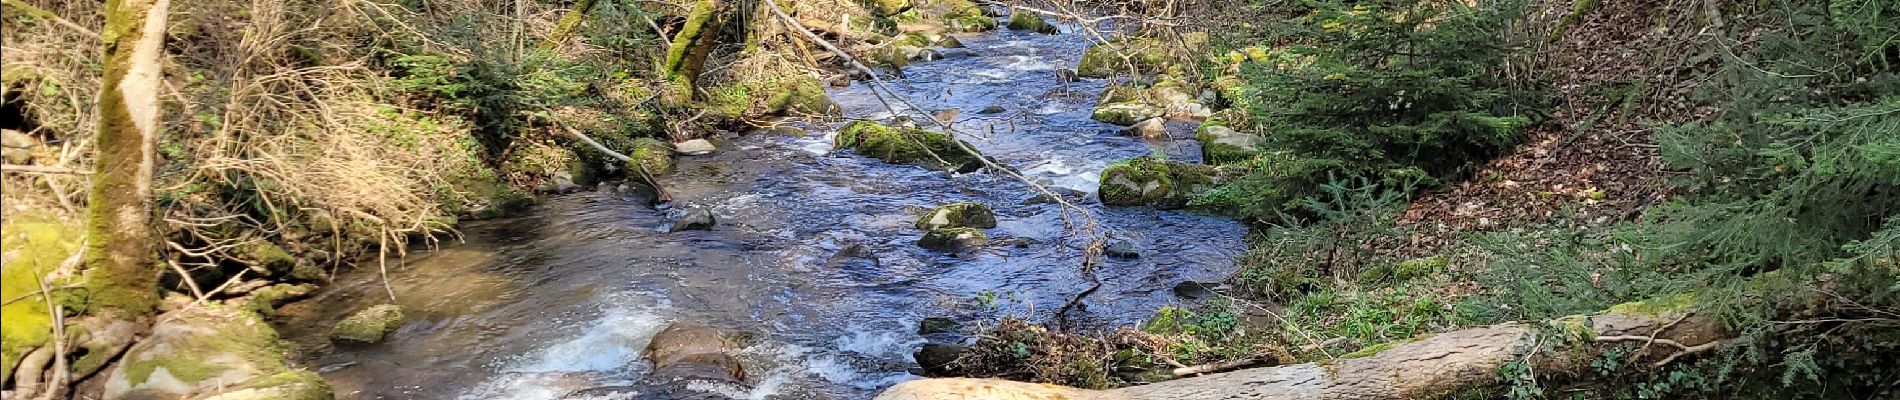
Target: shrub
(1393, 91)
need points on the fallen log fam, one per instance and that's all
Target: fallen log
(1427, 367)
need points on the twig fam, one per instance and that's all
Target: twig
(41, 169)
(1217, 367)
(186, 276)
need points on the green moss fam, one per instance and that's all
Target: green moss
(908, 146)
(200, 344)
(971, 23)
(369, 325)
(1170, 320)
(1021, 20)
(1135, 182)
(1420, 267)
(964, 214)
(266, 257)
(1125, 113)
(656, 157)
(913, 39)
(889, 7)
(32, 245)
(800, 94)
(1656, 306)
(1147, 55)
(696, 22)
(264, 301)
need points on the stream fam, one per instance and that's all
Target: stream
(564, 298)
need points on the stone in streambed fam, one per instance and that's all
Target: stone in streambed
(992, 110)
(1152, 128)
(1122, 248)
(953, 239)
(1021, 20)
(211, 352)
(938, 359)
(1157, 182)
(958, 215)
(650, 155)
(1223, 145)
(906, 146)
(694, 147)
(1125, 113)
(694, 219)
(370, 325)
(689, 351)
(938, 325)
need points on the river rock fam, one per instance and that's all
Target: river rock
(690, 351)
(1122, 248)
(992, 110)
(1066, 75)
(927, 55)
(694, 147)
(853, 256)
(211, 352)
(906, 145)
(1125, 113)
(1198, 290)
(938, 359)
(949, 42)
(1157, 182)
(694, 219)
(953, 239)
(1223, 145)
(1023, 20)
(1062, 192)
(651, 156)
(17, 147)
(370, 325)
(1152, 128)
(938, 325)
(955, 215)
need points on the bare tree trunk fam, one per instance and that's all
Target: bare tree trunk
(1429, 367)
(121, 265)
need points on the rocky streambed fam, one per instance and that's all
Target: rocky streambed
(811, 274)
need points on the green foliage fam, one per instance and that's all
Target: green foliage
(1398, 92)
(1298, 256)
(493, 93)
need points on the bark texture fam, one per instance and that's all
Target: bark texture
(569, 23)
(121, 268)
(1428, 367)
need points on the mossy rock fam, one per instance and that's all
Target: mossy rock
(953, 239)
(1119, 94)
(211, 351)
(889, 7)
(1145, 56)
(954, 215)
(369, 325)
(264, 301)
(976, 22)
(1221, 145)
(913, 39)
(1125, 113)
(938, 325)
(1156, 182)
(654, 155)
(949, 42)
(906, 146)
(800, 94)
(31, 245)
(1020, 20)
(265, 258)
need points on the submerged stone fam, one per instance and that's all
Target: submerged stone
(958, 215)
(938, 325)
(369, 325)
(992, 110)
(953, 239)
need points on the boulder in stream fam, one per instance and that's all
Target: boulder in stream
(906, 145)
(694, 147)
(691, 351)
(650, 155)
(939, 359)
(1125, 113)
(953, 239)
(961, 214)
(694, 219)
(1223, 145)
(1152, 128)
(1024, 20)
(211, 352)
(1157, 182)
(938, 325)
(369, 325)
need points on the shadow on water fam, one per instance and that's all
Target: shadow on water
(563, 299)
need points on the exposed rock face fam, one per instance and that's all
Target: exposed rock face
(694, 219)
(211, 352)
(953, 239)
(906, 145)
(690, 351)
(1223, 145)
(1156, 182)
(955, 215)
(369, 325)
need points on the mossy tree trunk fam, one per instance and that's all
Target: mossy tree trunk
(570, 22)
(121, 256)
(694, 42)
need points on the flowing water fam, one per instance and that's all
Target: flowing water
(563, 299)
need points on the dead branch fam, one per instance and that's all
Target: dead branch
(41, 169)
(1218, 367)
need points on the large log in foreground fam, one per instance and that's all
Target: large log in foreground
(1427, 367)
